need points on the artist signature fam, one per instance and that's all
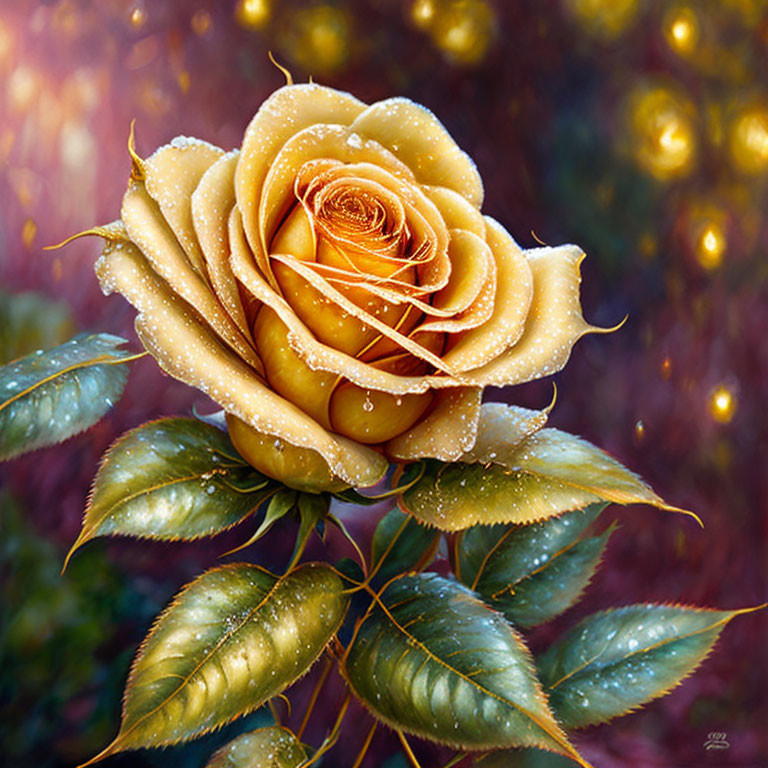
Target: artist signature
(717, 740)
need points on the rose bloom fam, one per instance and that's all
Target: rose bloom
(334, 286)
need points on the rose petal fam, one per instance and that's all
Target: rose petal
(171, 175)
(287, 373)
(555, 322)
(514, 289)
(169, 328)
(457, 213)
(472, 265)
(420, 140)
(343, 303)
(316, 355)
(301, 468)
(368, 416)
(287, 111)
(212, 202)
(447, 432)
(335, 142)
(501, 429)
(151, 233)
(331, 323)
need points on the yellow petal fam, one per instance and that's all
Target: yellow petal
(447, 432)
(472, 265)
(330, 323)
(212, 202)
(514, 290)
(501, 429)
(296, 236)
(186, 349)
(287, 373)
(319, 356)
(368, 416)
(554, 323)
(150, 232)
(335, 142)
(419, 139)
(299, 468)
(286, 112)
(343, 303)
(171, 175)
(456, 211)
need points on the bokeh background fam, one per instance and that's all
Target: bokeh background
(635, 128)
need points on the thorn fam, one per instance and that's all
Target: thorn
(288, 75)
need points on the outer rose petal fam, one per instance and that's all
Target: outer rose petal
(171, 175)
(447, 432)
(150, 232)
(554, 323)
(184, 347)
(420, 140)
(212, 202)
(514, 290)
(501, 429)
(287, 111)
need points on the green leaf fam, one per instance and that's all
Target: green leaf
(548, 473)
(279, 506)
(232, 639)
(171, 479)
(313, 508)
(30, 321)
(272, 747)
(615, 661)
(403, 543)
(430, 659)
(531, 573)
(47, 397)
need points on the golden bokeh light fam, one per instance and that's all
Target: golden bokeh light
(666, 368)
(464, 30)
(606, 19)
(722, 404)
(711, 245)
(423, 13)
(749, 140)
(253, 13)
(200, 22)
(318, 38)
(662, 136)
(138, 17)
(23, 89)
(681, 30)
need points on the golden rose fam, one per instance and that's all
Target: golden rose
(334, 287)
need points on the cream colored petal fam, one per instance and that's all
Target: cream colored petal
(472, 265)
(341, 301)
(456, 211)
(501, 429)
(171, 175)
(514, 290)
(296, 236)
(152, 235)
(212, 202)
(184, 347)
(420, 140)
(335, 142)
(317, 355)
(286, 112)
(447, 432)
(555, 322)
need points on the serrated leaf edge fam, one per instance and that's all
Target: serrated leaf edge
(87, 534)
(721, 624)
(557, 734)
(114, 747)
